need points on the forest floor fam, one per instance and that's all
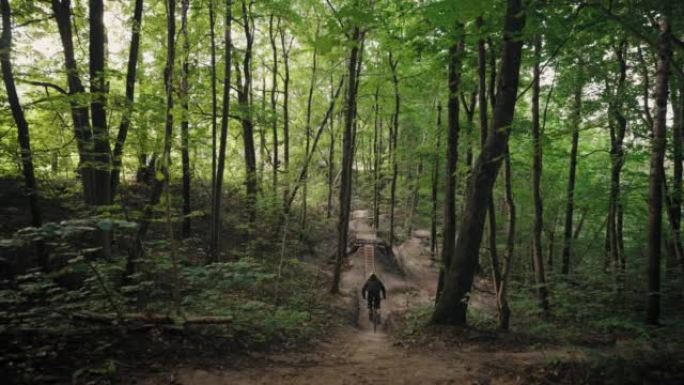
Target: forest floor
(355, 354)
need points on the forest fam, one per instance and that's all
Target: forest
(196, 192)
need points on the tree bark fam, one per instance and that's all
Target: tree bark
(274, 100)
(185, 124)
(376, 159)
(244, 100)
(655, 198)
(309, 101)
(394, 140)
(331, 158)
(456, 52)
(435, 183)
(22, 128)
(131, 71)
(214, 245)
(503, 309)
(570, 195)
(286, 102)
(484, 126)
(347, 157)
(101, 191)
(452, 305)
(537, 255)
(617, 125)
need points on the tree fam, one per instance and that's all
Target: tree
(347, 155)
(458, 279)
(217, 194)
(537, 256)
(22, 127)
(655, 195)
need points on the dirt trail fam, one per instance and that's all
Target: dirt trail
(359, 355)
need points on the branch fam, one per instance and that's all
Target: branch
(44, 84)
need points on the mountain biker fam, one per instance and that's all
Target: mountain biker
(371, 290)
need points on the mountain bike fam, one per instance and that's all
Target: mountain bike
(374, 316)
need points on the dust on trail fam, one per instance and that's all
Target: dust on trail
(360, 355)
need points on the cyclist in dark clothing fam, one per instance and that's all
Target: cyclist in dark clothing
(371, 291)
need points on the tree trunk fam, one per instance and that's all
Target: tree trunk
(274, 100)
(214, 102)
(101, 191)
(309, 101)
(244, 100)
(537, 254)
(618, 125)
(214, 245)
(79, 113)
(185, 231)
(393, 152)
(22, 128)
(286, 103)
(504, 310)
(452, 305)
(456, 52)
(484, 126)
(347, 158)
(331, 159)
(570, 204)
(376, 159)
(131, 69)
(655, 198)
(435, 183)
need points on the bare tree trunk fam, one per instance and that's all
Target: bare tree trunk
(286, 102)
(537, 254)
(101, 194)
(214, 116)
(456, 52)
(185, 231)
(214, 245)
(452, 305)
(655, 198)
(570, 204)
(347, 158)
(395, 134)
(244, 100)
(376, 159)
(309, 101)
(274, 100)
(504, 310)
(484, 126)
(331, 159)
(435, 183)
(22, 128)
(618, 125)
(130, 95)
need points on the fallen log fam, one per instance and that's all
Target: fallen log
(148, 318)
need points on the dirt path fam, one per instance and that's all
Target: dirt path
(357, 355)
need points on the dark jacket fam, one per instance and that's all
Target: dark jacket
(373, 287)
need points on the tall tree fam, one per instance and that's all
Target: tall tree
(185, 119)
(618, 125)
(570, 194)
(307, 148)
(537, 256)
(484, 126)
(655, 196)
(217, 194)
(22, 126)
(347, 155)
(274, 99)
(435, 183)
(131, 72)
(393, 62)
(452, 304)
(245, 103)
(449, 226)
